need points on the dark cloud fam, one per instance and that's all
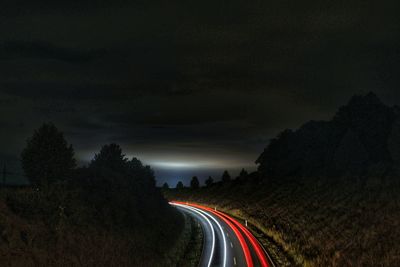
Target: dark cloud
(183, 81)
(20, 50)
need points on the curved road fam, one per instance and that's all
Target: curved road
(226, 241)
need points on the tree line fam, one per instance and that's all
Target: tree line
(118, 190)
(361, 141)
(195, 183)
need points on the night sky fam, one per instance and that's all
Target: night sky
(189, 87)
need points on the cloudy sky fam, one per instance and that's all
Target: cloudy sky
(189, 87)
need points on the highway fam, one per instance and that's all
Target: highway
(226, 242)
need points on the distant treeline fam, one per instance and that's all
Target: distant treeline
(195, 183)
(361, 140)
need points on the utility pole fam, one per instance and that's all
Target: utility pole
(4, 175)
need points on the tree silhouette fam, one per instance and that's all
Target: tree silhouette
(358, 140)
(179, 185)
(47, 157)
(194, 183)
(209, 181)
(226, 177)
(111, 157)
(119, 188)
(243, 174)
(142, 173)
(165, 186)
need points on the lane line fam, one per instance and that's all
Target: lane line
(234, 260)
(231, 245)
(243, 244)
(260, 251)
(209, 223)
(220, 228)
(254, 242)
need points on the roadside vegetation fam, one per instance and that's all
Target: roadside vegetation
(108, 213)
(325, 194)
(192, 244)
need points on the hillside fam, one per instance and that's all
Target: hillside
(109, 213)
(37, 231)
(63, 226)
(325, 194)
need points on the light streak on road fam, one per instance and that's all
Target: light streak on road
(222, 232)
(209, 223)
(240, 235)
(243, 244)
(254, 242)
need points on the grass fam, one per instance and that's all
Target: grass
(314, 223)
(194, 245)
(41, 229)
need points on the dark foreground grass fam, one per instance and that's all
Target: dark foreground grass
(57, 229)
(194, 245)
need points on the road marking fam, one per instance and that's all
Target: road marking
(227, 234)
(234, 260)
(231, 245)
(220, 228)
(229, 222)
(254, 242)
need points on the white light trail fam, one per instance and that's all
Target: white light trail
(209, 223)
(220, 228)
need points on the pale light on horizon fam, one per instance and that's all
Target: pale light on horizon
(182, 164)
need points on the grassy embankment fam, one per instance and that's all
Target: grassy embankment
(314, 223)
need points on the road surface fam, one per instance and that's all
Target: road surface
(226, 242)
